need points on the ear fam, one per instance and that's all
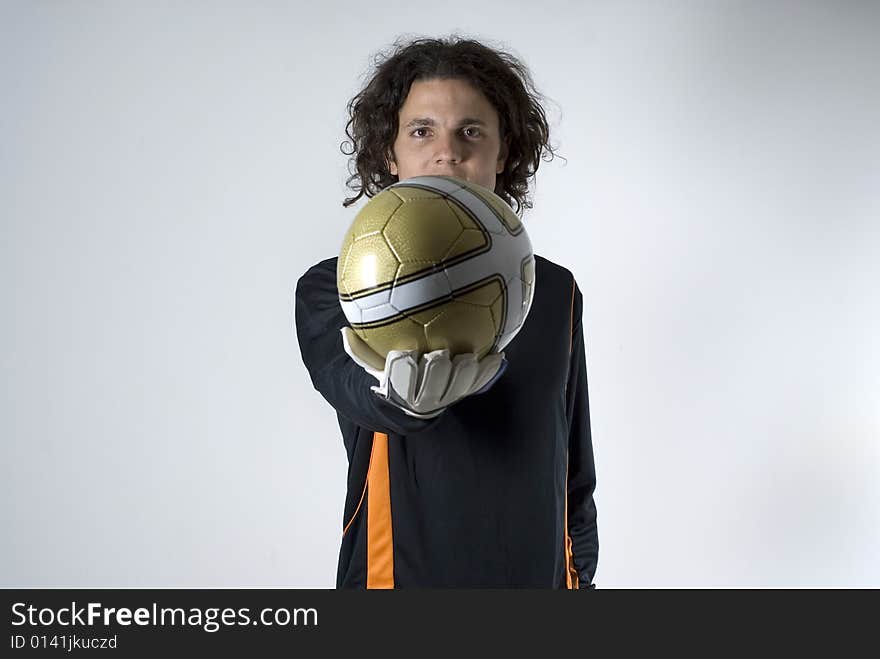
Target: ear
(390, 163)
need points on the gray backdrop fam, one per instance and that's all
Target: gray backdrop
(168, 172)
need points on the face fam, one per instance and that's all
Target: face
(448, 127)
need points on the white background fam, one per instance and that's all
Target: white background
(169, 170)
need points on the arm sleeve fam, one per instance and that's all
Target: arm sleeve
(342, 382)
(581, 468)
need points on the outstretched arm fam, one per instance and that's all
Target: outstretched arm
(342, 382)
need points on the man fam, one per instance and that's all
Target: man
(495, 489)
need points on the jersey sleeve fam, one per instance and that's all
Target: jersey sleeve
(342, 382)
(581, 468)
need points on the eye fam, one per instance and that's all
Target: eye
(476, 131)
(417, 130)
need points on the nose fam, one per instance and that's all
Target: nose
(448, 150)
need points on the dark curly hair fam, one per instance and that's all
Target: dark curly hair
(501, 77)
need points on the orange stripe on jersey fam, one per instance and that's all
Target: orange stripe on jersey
(380, 543)
(571, 575)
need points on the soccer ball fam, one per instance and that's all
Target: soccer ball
(436, 262)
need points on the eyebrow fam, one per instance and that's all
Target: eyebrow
(427, 121)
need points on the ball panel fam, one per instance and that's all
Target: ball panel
(353, 314)
(464, 218)
(344, 253)
(414, 194)
(415, 293)
(498, 311)
(402, 334)
(462, 328)
(373, 217)
(505, 213)
(527, 278)
(422, 231)
(485, 295)
(528, 272)
(470, 240)
(406, 271)
(377, 301)
(368, 263)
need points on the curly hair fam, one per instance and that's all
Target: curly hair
(501, 77)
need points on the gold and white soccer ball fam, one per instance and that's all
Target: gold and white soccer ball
(435, 262)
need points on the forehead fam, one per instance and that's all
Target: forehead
(447, 98)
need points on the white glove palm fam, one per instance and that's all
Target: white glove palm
(424, 387)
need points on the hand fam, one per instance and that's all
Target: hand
(424, 387)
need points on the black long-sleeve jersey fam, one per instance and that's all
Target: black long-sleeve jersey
(495, 492)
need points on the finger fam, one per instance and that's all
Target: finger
(396, 401)
(489, 369)
(360, 352)
(464, 370)
(423, 362)
(402, 373)
(434, 377)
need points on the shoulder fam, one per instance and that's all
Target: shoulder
(556, 283)
(322, 267)
(319, 280)
(322, 270)
(551, 272)
(547, 265)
